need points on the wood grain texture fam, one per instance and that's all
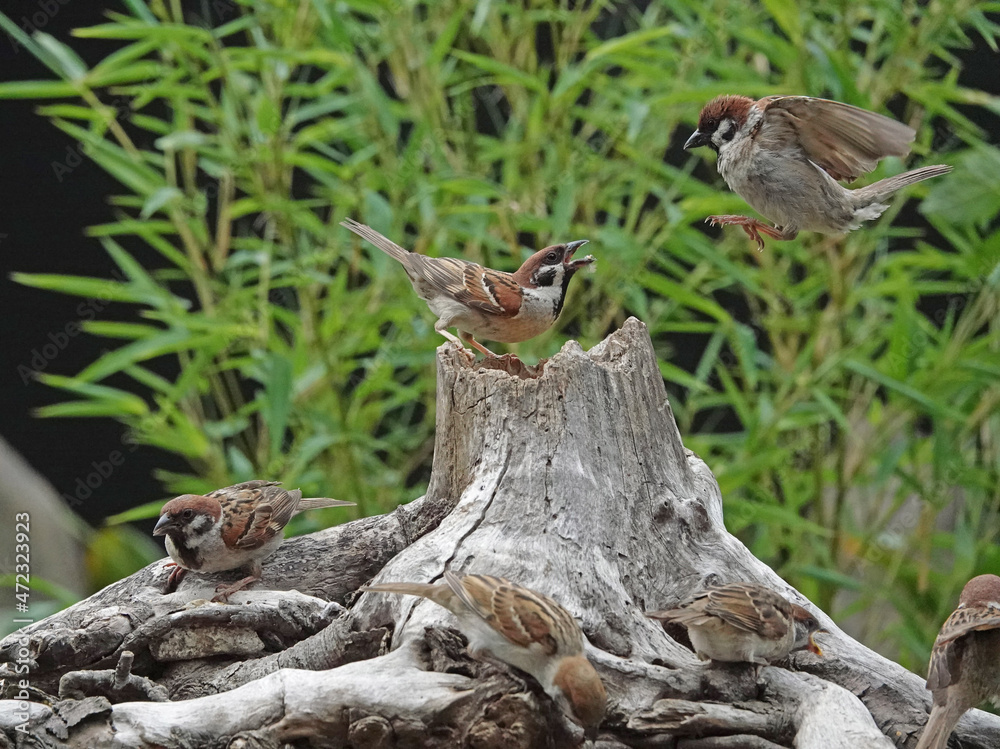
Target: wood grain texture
(569, 478)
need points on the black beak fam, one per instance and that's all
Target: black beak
(575, 265)
(163, 525)
(698, 138)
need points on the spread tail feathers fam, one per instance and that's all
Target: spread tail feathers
(885, 187)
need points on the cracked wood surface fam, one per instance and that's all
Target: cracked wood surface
(570, 478)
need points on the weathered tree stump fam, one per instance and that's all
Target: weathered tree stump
(569, 478)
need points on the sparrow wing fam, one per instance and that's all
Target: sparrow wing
(246, 489)
(255, 512)
(522, 616)
(845, 141)
(491, 291)
(471, 284)
(752, 608)
(946, 655)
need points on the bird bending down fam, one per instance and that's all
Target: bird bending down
(785, 156)
(486, 303)
(743, 622)
(524, 629)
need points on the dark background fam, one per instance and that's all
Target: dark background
(48, 195)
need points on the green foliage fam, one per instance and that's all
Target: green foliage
(863, 464)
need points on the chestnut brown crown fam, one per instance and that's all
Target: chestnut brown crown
(981, 590)
(734, 109)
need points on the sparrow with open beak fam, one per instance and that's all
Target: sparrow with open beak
(486, 303)
(524, 629)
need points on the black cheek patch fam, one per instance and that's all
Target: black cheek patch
(545, 277)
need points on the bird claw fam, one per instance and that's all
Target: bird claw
(175, 577)
(751, 226)
(223, 591)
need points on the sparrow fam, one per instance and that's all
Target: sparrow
(784, 155)
(486, 303)
(237, 526)
(524, 629)
(744, 622)
(965, 660)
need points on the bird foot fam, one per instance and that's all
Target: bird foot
(753, 227)
(479, 347)
(176, 575)
(222, 592)
(459, 345)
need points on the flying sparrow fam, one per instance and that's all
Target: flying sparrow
(486, 303)
(525, 629)
(784, 155)
(965, 660)
(237, 526)
(743, 622)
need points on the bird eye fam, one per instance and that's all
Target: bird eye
(187, 514)
(552, 258)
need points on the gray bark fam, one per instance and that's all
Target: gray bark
(569, 478)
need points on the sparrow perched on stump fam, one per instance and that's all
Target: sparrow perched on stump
(486, 303)
(238, 526)
(743, 622)
(965, 660)
(524, 629)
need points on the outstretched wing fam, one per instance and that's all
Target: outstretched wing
(844, 140)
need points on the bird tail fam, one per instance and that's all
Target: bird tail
(669, 615)
(383, 243)
(440, 594)
(882, 189)
(939, 726)
(318, 503)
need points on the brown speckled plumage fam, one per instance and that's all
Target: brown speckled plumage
(526, 629)
(482, 302)
(964, 668)
(230, 528)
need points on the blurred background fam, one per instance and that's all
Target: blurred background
(182, 310)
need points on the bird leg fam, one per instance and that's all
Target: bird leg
(441, 329)
(176, 575)
(223, 592)
(467, 337)
(752, 227)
